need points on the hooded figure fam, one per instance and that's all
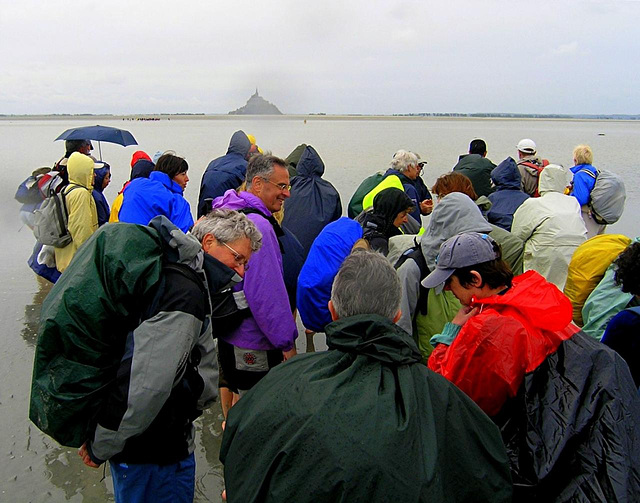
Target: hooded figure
(327, 253)
(102, 206)
(390, 209)
(314, 202)
(226, 172)
(508, 195)
(83, 216)
(551, 227)
(141, 168)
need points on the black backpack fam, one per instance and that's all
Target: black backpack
(415, 253)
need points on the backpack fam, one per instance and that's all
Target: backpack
(538, 168)
(367, 185)
(415, 253)
(607, 197)
(51, 220)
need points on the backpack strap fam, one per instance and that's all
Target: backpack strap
(533, 165)
(271, 219)
(415, 253)
(592, 175)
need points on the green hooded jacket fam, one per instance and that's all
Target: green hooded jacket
(364, 421)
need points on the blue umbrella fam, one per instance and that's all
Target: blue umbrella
(99, 133)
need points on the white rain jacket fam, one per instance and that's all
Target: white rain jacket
(551, 227)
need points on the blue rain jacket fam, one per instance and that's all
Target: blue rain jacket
(146, 198)
(327, 253)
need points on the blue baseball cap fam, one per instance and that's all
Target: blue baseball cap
(460, 251)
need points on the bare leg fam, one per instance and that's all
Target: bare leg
(311, 348)
(226, 400)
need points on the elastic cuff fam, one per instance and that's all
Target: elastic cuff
(93, 457)
(448, 335)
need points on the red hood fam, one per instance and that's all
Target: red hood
(536, 300)
(137, 155)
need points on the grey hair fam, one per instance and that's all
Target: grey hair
(227, 226)
(402, 159)
(262, 166)
(366, 283)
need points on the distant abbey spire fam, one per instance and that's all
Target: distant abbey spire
(257, 105)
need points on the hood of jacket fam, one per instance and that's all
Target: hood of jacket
(310, 163)
(535, 299)
(138, 155)
(141, 169)
(100, 173)
(373, 336)
(389, 202)
(233, 200)
(455, 213)
(239, 144)
(177, 246)
(80, 170)
(506, 175)
(553, 178)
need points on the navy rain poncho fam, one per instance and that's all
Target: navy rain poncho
(314, 202)
(102, 206)
(508, 196)
(226, 172)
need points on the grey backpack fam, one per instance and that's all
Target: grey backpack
(607, 196)
(50, 221)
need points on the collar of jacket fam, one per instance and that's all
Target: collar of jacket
(404, 179)
(177, 246)
(219, 276)
(373, 336)
(164, 179)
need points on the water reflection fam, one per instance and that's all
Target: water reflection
(29, 331)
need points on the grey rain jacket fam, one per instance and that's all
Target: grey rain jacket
(168, 373)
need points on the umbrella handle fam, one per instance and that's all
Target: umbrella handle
(100, 150)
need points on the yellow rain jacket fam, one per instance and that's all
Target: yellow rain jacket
(83, 216)
(587, 268)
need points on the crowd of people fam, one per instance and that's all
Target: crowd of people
(486, 280)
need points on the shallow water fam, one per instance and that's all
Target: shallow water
(35, 468)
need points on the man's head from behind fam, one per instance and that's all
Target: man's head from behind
(366, 284)
(268, 178)
(229, 237)
(478, 146)
(526, 147)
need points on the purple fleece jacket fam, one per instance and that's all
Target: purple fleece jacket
(271, 325)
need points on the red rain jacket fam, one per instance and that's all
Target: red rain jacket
(511, 335)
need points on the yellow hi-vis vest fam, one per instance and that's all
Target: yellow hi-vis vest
(390, 181)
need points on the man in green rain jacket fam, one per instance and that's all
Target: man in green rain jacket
(364, 421)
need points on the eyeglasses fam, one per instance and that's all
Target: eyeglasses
(240, 260)
(281, 186)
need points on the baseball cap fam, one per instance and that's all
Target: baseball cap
(460, 251)
(527, 146)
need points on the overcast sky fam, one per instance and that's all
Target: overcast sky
(360, 56)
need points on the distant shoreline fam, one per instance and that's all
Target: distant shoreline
(310, 117)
